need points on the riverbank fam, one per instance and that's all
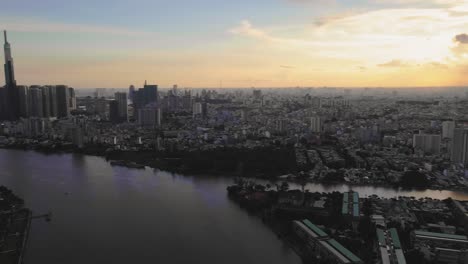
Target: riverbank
(15, 221)
(280, 208)
(260, 162)
(267, 163)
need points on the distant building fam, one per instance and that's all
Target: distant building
(448, 128)
(71, 99)
(23, 96)
(146, 95)
(35, 102)
(46, 101)
(427, 143)
(149, 117)
(257, 94)
(53, 101)
(316, 124)
(460, 146)
(122, 107)
(63, 101)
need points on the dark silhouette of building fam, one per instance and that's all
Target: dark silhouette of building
(10, 95)
(114, 112)
(63, 100)
(146, 95)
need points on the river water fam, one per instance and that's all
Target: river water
(105, 214)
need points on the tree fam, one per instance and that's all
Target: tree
(284, 186)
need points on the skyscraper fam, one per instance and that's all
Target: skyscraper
(53, 101)
(35, 102)
(63, 101)
(46, 101)
(118, 111)
(11, 94)
(23, 97)
(122, 105)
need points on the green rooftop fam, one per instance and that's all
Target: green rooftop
(356, 210)
(395, 238)
(440, 235)
(381, 237)
(355, 197)
(314, 228)
(348, 254)
(344, 210)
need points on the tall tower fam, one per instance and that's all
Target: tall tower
(9, 70)
(11, 93)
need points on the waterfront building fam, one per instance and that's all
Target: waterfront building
(321, 245)
(53, 101)
(63, 100)
(35, 102)
(10, 94)
(350, 208)
(23, 98)
(46, 107)
(389, 247)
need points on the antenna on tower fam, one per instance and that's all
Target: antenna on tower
(5, 36)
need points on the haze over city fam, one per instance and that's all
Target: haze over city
(280, 131)
(275, 43)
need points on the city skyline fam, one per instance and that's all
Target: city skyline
(283, 43)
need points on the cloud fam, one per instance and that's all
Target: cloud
(28, 25)
(287, 66)
(245, 28)
(461, 38)
(394, 63)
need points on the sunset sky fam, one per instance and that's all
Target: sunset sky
(242, 43)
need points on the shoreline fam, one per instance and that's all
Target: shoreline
(121, 159)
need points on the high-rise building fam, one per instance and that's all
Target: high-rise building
(11, 101)
(316, 124)
(53, 101)
(149, 117)
(145, 96)
(122, 105)
(71, 99)
(131, 92)
(427, 143)
(448, 128)
(35, 102)
(114, 112)
(46, 101)
(460, 146)
(63, 98)
(23, 98)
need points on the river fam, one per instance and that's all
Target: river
(105, 214)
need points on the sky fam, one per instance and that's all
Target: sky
(242, 43)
